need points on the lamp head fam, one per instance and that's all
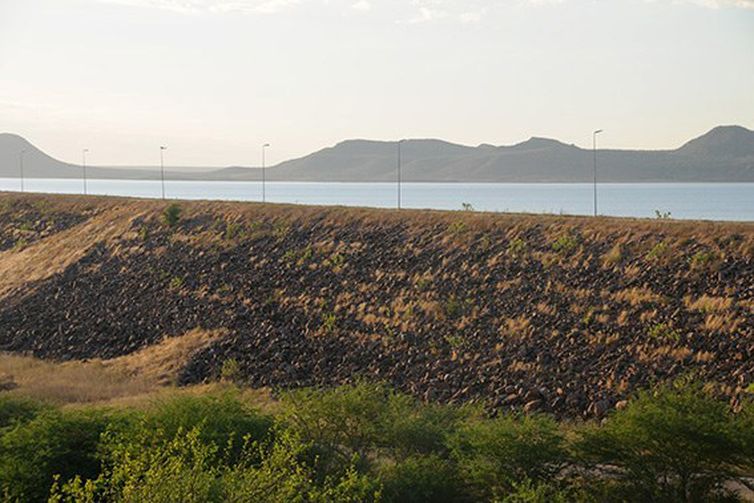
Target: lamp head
(598, 131)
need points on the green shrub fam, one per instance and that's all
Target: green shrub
(223, 419)
(675, 443)
(517, 247)
(176, 283)
(284, 476)
(664, 332)
(186, 468)
(18, 410)
(232, 230)
(493, 455)
(457, 227)
(365, 421)
(565, 244)
(660, 252)
(230, 370)
(171, 214)
(704, 260)
(420, 478)
(53, 442)
(455, 307)
(328, 322)
(527, 491)
(182, 468)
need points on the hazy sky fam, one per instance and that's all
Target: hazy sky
(214, 79)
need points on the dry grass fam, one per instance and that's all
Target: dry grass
(48, 256)
(613, 257)
(722, 323)
(638, 296)
(708, 304)
(70, 382)
(160, 363)
(133, 379)
(516, 327)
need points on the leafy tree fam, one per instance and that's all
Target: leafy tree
(675, 443)
(493, 455)
(52, 443)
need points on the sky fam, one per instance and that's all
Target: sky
(215, 79)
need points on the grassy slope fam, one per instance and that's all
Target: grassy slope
(563, 314)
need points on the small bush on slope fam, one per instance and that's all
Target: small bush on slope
(171, 215)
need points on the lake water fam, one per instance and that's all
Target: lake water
(715, 201)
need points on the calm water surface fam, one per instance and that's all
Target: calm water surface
(715, 201)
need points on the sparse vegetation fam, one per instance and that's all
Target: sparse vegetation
(660, 252)
(455, 307)
(565, 244)
(703, 260)
(664, 332)
(517, 247)
(172, 215)
(457, 227)
(328, 322)
(176, 283)
(231, 370)
(232, 230)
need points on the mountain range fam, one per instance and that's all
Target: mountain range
(724, 154)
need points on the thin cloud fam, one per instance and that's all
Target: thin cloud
(216, 6)
(414, 11)
(362, 5)
(716, 4)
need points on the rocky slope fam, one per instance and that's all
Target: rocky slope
(559, 314)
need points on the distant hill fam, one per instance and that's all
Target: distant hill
(724, 154)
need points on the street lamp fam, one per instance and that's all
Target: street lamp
(83, 166)
(162, 170)
(21, 167)
(264, 172)
(400, 142)
(594, 151)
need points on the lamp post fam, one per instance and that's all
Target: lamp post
(400, 143)
(264, 172)
(21, 167)
(83, 166)
(594, 151)
(162, 169)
